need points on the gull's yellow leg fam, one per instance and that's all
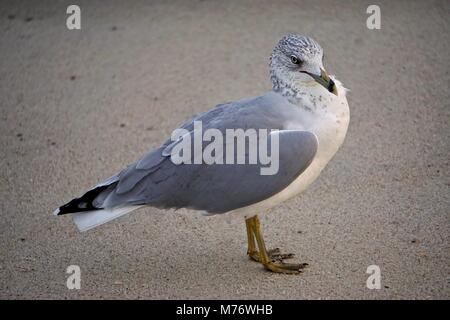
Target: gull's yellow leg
(252, 251)
(263, 255)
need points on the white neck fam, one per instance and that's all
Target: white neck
(308, 94)
(325, 114)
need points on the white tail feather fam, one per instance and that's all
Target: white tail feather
(90, 219)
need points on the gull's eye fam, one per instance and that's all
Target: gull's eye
(295, 60)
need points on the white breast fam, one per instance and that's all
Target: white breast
(329, 121)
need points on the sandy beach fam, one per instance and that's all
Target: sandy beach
(77, 106)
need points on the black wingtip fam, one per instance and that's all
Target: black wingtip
(84, 203)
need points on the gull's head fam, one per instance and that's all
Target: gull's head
(297, 61)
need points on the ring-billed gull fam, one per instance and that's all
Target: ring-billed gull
(308, 107)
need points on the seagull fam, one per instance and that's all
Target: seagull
(306, 110)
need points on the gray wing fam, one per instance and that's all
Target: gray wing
(155, 180)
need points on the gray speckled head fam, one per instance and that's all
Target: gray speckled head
(300, 46)
(294, 59)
